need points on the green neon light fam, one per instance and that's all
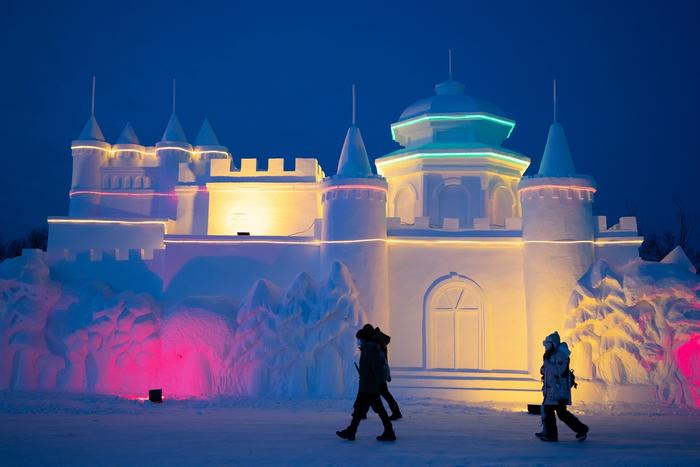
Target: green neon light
(470, 116)
(456, 155)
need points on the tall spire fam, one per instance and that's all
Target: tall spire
(556, 160)
(449, 63)
(353, 157)
(91, 130)
(173, 132)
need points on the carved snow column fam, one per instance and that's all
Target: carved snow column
(558, 250)
(354, 232)
(171, 151)
(90, 152)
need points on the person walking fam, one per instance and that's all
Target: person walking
(371, 377)
(383, 342)
(557, 380)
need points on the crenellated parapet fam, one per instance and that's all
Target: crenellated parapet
(303, 170)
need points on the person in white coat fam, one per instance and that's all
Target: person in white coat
(556, 388)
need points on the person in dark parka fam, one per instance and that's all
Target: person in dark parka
(371, 377)
(556, 388)
(383, 341)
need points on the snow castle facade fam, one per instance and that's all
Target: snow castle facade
(466, 262)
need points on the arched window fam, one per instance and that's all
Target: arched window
(453, 202)
(116, 182)
(147, 182)
(405, 205)
(454, 324)
(127, 182)
(138, 181)
(502, 204)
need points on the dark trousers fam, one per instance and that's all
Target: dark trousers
(550, 421)
(391, 402)
(362, 404)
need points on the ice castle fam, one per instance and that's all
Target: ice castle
(465, 261)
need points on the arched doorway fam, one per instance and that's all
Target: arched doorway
(404, 205)
(453, 202)
(454, 324)
(502, 204)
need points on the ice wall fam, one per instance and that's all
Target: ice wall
(636, 333)
(294, 342)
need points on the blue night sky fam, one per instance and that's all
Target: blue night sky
(274, 80)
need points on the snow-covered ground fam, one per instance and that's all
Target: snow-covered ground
(64, 429)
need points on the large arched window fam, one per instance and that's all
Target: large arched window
(453, 202)
(405, 205)
(454, 324)
(502, 205)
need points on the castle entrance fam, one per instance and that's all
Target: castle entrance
(454, 324)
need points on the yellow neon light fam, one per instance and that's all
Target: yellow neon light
(108, 221)
(455, 155)
(465, 117)
(405, 241)
(90, 147)
(146, 153)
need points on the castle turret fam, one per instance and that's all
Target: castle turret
(128, 151)
(172, 150)
(193, 198)
(354, 226)
(90, 152)
(558, 236)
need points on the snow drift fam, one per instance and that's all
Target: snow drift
(636, 331)
(295, 342)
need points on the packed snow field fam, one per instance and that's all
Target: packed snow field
(66, 429)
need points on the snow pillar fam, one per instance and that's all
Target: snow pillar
(354, 233)
(558, 250)
(88, 157)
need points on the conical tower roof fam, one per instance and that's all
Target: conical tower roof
(206, 135)
(557, 160)
(128, 135)
(173, 132)
(353, 158)
(91, 131)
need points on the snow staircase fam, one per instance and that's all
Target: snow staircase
(467, 385)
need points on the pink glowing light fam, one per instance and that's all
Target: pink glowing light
(128, 194)
(561, 187)
(355, 187)
(688, 360)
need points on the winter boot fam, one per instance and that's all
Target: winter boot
(543, 437)
(347, 433)
(582, 435)
(395, 414)
(388, 435)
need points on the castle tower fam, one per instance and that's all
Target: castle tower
(172, 150)
(90, 152)
(128, 151)
(193, 199)
(354, 226)
(558, 236)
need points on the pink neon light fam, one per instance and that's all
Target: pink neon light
(688, 360)
(111, 193)
(355, 187)
(563, 187)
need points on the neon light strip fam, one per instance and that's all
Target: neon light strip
(406, 241)
(470, 116)
(146, 153)
(563, 187)
(130, 194)
(455, 155)
(355, 187)
(105, 221)
(91, 147)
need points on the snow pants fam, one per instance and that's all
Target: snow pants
(391, 402)
(363, 402)
(550, 421)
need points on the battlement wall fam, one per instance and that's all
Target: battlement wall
(304, 168)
